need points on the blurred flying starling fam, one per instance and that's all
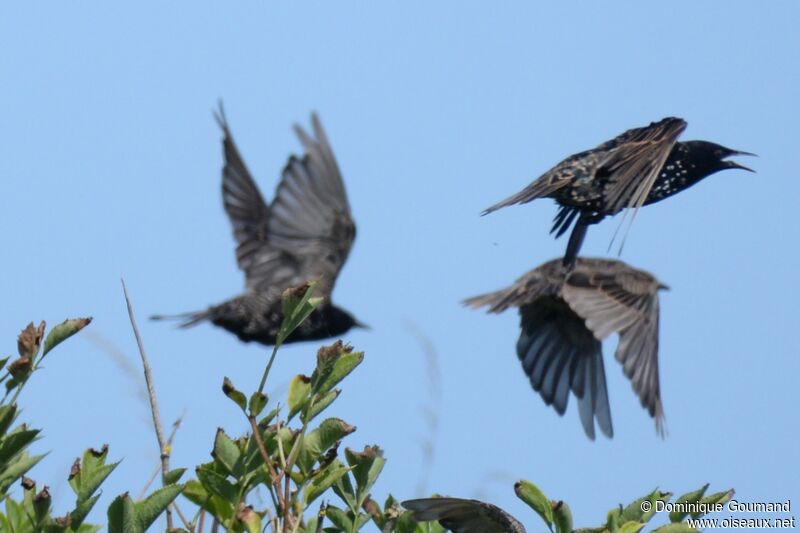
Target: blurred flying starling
(464, 516)
(564, 321)
(639, 167)
(305, 234)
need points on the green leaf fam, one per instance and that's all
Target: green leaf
(562, 517)
(536, 500)
(613, 519)
(41, 505)
(634, 512)
(16, 514)
(63, 331)
(299, 394)
(367, 466)
(258, 400)
(196, 493)
(680, 527)
(361, 519)
(217, 484)
(235, 395)
(122, 515)
(406, 524)
(92, 478)
(630, 527)
(297, 305)
(226, 452)
(88, 528)
(344, 489)
(15, 442)
(342, 366)
(320, 439)
(678, 514)
(323, 480)
(82, 511)
(173, 476)
(339, 518)
(319, 404)
(15, 470)
(156, 503)
(93, 459)
(265, 421)
(718, 498)
(7, 415)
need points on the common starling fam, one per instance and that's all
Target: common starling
(564, 321)
(304, 235)
(464, 516)
(639, 167)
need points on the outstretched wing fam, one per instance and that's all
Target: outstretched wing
(638, 353)
(243, 202)
(612, 297)
(307, 231)
(464, 516)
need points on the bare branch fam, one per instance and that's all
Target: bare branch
(151, 391)
(175, 426)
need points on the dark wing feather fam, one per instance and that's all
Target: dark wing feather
(612, 297)
(633, 160)
(559, 354)
(464, 516)
(308, 231)
(638, 353)
(243, 202)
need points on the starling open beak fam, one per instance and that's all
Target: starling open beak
(734, 164)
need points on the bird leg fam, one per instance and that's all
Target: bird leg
(574, 245)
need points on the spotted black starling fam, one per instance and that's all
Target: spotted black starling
(639, 167)
(304, 235)
(565, 319)
(464, 516)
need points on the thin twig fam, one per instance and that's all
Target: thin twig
(287, 522)
(267, 369)
(151, 391)
(175, 426)
(276, 479)
(186, 523)
(201, 521)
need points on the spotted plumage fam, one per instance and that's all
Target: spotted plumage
(304, 235)
(563, 322)
(639, 167)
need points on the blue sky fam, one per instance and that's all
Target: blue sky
(110, 166)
